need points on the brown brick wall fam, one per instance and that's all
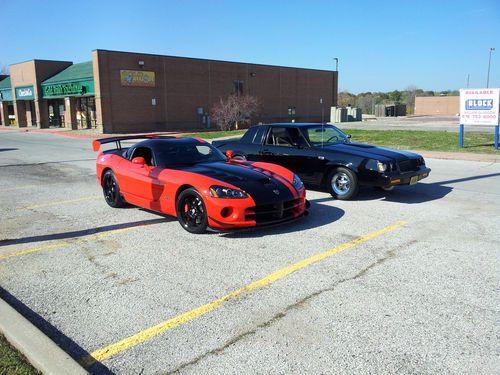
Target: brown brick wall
(183, 85)
(437, 105)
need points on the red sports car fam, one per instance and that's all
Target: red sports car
(191, 179)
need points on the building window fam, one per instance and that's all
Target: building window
(238, 87)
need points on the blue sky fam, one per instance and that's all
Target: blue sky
(381, 45)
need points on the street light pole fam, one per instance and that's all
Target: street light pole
(489, 64)
(336, 63)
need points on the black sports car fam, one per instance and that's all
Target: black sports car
(325, 157)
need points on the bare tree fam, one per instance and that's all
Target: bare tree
(410, 93)
(345, 98)
(4, 69)
(234, 110)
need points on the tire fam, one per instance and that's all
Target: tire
(239, 157)
(387, 188)
(342, 183)
(111, 190)
(191, 211)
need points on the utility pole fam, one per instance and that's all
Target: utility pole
(468, 76)
(489, 64)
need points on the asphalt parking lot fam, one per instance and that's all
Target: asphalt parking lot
(398, 282)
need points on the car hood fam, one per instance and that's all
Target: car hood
(262, 187)
(371, 151)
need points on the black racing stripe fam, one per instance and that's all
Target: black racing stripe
(276, 176)
(262, 185)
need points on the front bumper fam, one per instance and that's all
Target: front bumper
(406, 178)
(227, 214)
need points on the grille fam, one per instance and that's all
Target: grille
(270, 213)
(409, 165)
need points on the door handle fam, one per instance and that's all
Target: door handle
(266, 152)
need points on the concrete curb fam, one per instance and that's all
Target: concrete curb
(489, 158)
(41, 352)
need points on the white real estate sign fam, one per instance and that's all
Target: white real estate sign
(479, 106)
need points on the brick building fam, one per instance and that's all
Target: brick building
(437, 105)
(120, 92)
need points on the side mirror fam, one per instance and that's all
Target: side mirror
(230, 154)
(139, 161)
(348, 136)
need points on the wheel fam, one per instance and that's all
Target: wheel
(111, 190)
(191, 211)
(343, 183)
(239, 157)
(387, 188)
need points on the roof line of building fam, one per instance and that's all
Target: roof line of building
(204, 59)
(41, 60)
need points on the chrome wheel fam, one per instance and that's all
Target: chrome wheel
(341, 183)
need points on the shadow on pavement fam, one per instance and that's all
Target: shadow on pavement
(319, 215)
(419, 193)
(80, 233)
(64, 342)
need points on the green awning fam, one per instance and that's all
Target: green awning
(5, 90)
(75, 72)
(5, 84)
(75, 80)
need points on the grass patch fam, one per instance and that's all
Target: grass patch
(402, 139)
(425, 140)
(215, 134)
(12, 362)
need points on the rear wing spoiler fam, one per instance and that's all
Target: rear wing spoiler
(96, 143)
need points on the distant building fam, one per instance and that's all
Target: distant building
(437, 105)
(119, 92)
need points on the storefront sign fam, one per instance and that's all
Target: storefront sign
(68, 89)
(138, 78)
(479, 106)
(25, 93)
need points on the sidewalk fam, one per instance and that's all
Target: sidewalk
(79, 133)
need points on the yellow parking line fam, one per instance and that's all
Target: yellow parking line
(61, 244)
(120, 346)
(55, 203)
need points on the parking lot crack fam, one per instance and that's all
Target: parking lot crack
(298, 304)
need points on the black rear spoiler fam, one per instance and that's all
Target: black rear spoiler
(96, 143)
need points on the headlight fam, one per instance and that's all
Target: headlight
(297, 182)
(225, 192)
(381, 167)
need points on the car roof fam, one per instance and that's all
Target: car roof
(296, 124)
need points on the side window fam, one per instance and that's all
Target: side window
(144, 152)
(259, 134)
(280, 137)
(249, 135)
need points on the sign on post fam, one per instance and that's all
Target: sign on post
(479, 107)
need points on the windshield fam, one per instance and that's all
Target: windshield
(325, 135)
(187, 154)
